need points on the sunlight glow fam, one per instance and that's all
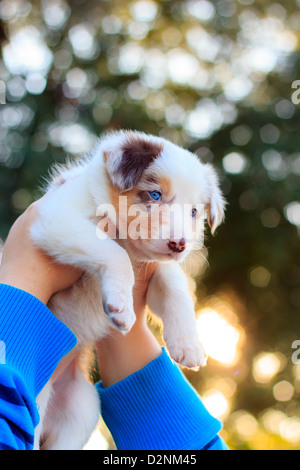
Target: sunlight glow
(220, 339)
(216, 403)
(96, 441)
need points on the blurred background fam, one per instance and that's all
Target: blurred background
(219, 78)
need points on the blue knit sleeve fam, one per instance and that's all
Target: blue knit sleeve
(156, 408)
(32, 342)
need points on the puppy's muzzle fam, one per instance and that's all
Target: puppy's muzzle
(177, 247)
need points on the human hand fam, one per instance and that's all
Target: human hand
(26, 267)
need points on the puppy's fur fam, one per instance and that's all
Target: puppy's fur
(130, 164)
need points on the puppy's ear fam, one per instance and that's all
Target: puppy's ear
(216, 205)
(126, 162)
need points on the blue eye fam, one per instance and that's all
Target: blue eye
(156, 195)
(194, 212)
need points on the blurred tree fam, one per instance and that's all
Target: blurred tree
(215, 77)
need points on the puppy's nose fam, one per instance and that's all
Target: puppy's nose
(177, 246)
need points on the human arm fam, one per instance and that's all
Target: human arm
(146, 401)
(33, 341)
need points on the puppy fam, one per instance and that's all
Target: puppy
(82, 223)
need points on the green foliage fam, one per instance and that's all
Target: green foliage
(215, 77)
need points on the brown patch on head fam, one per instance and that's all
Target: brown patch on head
(137, 154)
(122, 205)
(131, 197)
(114, 194)
(166, 186)
(138, 214)
(151, 179)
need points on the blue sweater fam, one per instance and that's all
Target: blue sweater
(154, 408)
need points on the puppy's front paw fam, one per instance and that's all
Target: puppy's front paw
(189, 354)
(119, 309)
(122, 317)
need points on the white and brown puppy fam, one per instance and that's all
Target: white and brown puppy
(145, 172)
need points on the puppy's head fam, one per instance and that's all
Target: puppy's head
(162, 194)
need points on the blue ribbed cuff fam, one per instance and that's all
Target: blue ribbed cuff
(156, 408)
(33, 340)
(217, 444)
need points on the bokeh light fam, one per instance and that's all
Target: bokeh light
(234, 163)
(266, 366)
(216, 403)
(292, 213)
(283, 391)
(27, 52)
(220, 78)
